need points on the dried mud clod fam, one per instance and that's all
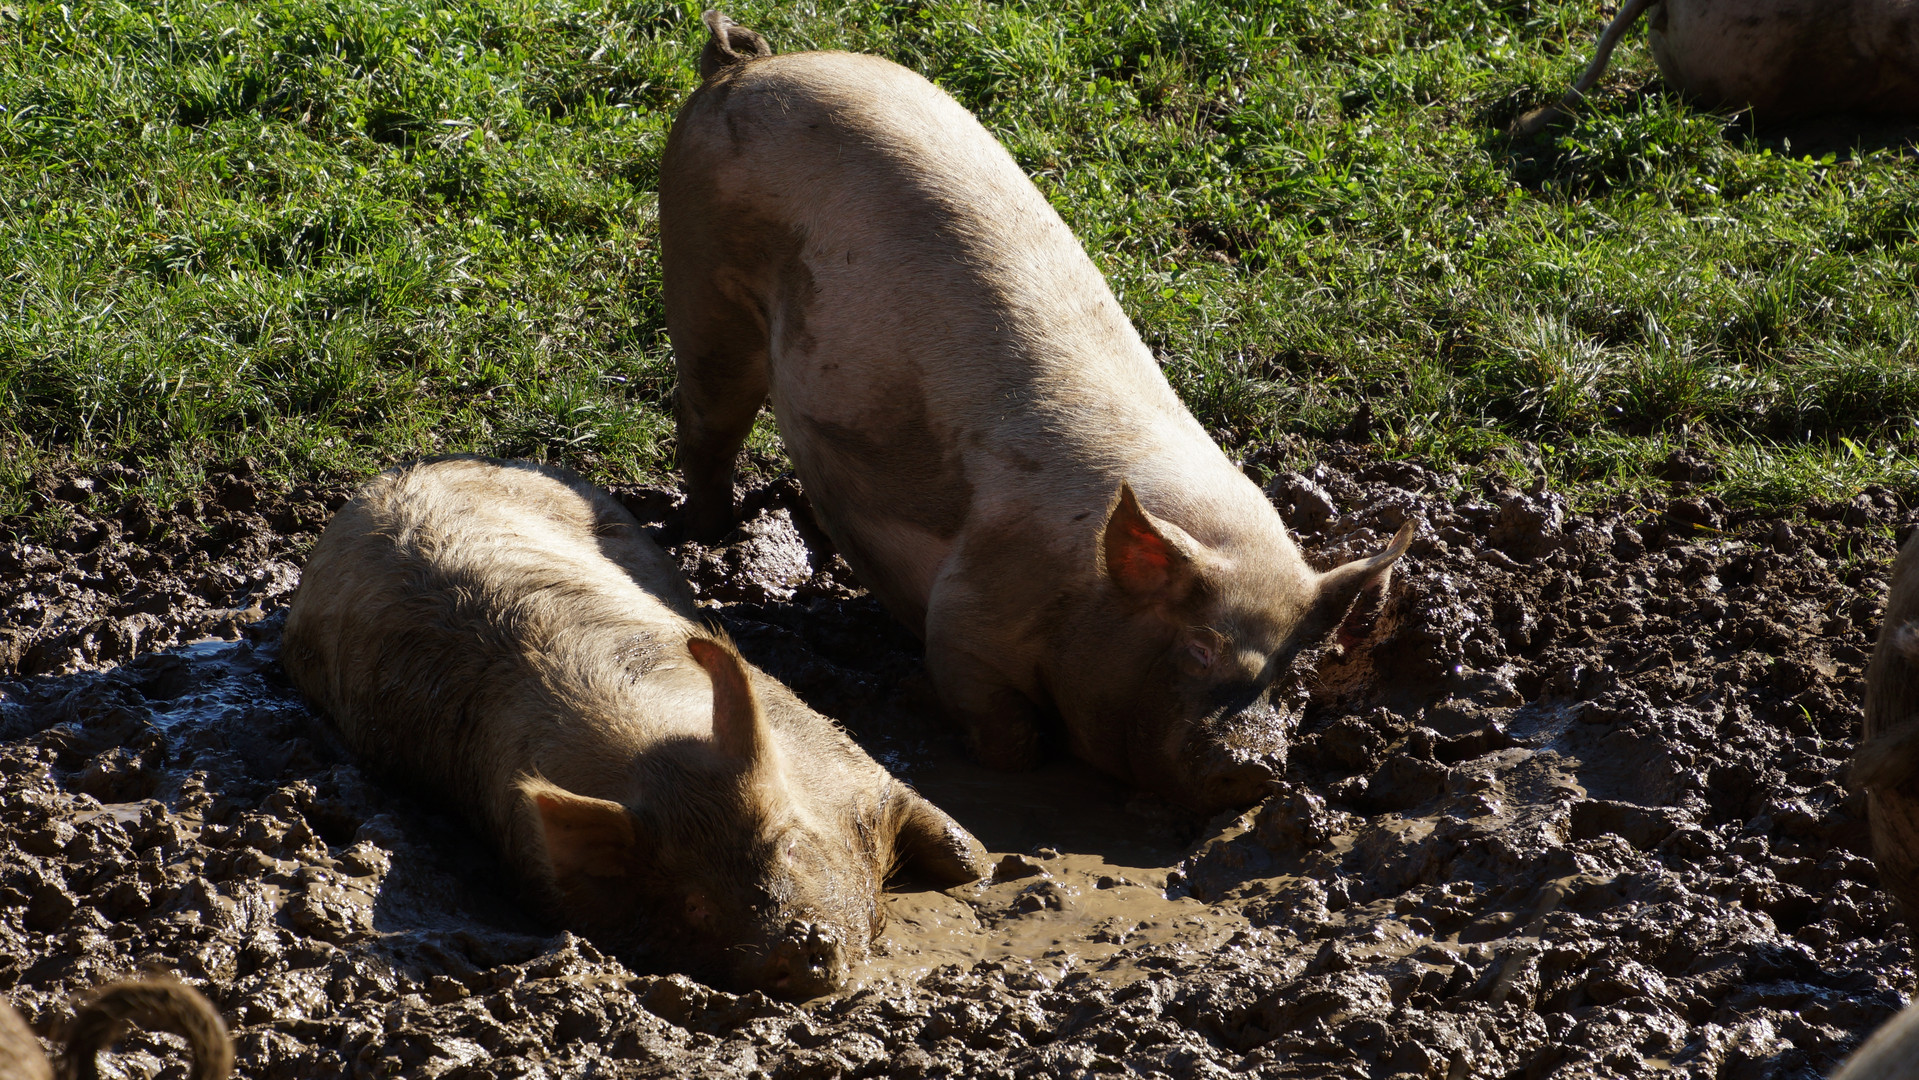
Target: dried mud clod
(1570, 803)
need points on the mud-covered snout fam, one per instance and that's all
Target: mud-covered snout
(1227, 758)
(806, 959)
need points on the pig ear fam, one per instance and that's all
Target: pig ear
(583, 836)
(931, 842)
(1144, 556)
(739, 724)
(1341, 585)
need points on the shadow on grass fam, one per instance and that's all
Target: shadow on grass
(1625, 136)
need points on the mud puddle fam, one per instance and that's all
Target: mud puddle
(1569, 807)
(1081, 870)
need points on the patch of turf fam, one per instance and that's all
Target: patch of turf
(329, 234)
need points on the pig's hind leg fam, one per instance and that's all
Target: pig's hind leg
(720, 351)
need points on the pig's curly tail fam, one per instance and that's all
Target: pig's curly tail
(156, 1001)
(730, 44)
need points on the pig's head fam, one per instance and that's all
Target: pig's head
(742, 861)
(1175, 657)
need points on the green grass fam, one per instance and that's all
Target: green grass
(327, 234)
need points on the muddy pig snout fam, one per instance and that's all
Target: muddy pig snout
(1230, 757)
(807, 961)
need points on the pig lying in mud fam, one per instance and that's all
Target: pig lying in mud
(500, 636)
(155, 1002)
(977, 425)
(1780, 58)
(1887, 763)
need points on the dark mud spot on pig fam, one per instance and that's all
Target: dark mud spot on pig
(1567, 804)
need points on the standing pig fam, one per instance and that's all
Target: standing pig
(1780, 58)
(501, 637)
(977, 425)
(1888, 759)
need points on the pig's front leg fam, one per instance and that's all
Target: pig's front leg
(1001, 723)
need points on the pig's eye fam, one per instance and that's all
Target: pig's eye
(1198, 651)
(699, 911)
(786, 839)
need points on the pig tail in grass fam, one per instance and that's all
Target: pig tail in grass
(729, 43)
(1536, 121)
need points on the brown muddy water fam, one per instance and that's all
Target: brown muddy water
(1569, 803)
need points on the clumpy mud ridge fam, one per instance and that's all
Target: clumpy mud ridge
(1569, 804)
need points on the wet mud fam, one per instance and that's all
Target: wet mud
(1570, 802)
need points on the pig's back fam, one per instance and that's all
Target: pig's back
(942, 348)
(925, 276)
(462, 620)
